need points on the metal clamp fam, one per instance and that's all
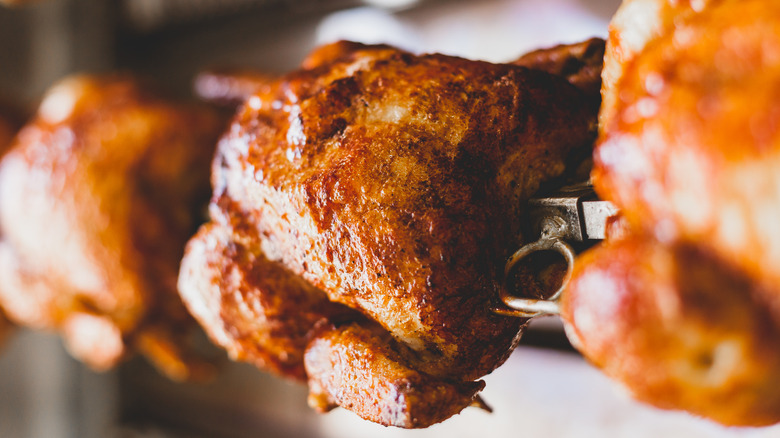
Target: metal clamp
(571, 214)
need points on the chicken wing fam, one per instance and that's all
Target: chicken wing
(98, 196)
(685, 309)
(7, 132)
(580, 63)
(380, 192)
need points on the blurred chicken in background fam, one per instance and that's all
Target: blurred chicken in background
(99, 193)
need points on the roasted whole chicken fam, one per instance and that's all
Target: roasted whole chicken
(684, 306)
(363, 209)
(98, 196)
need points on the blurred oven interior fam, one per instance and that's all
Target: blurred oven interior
(545, 389)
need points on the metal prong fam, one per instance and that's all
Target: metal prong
(572, 213)
(553, 228)
(595, 215)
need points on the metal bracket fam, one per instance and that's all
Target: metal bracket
(572, 214)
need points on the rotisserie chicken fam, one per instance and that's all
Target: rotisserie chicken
(684, 309)
(363, 209)
(98, 196)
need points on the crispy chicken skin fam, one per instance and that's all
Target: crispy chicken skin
(375, 383)
(580, 63)
(255, 308)
(384, 192)
(685, 308)
(98, 196)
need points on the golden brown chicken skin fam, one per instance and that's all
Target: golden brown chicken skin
(99, 194)
(389, 187)
(679, 328)
(635, 24)
(684, 308)
(376, 382)
(254, 307)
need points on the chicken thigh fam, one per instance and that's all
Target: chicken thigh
(98, 195)
(363, 209)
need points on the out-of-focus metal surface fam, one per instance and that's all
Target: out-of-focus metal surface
(584, 215)
(539, 392)
(595, 213)
(152, 15)
(46, 40)
(44, 393)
